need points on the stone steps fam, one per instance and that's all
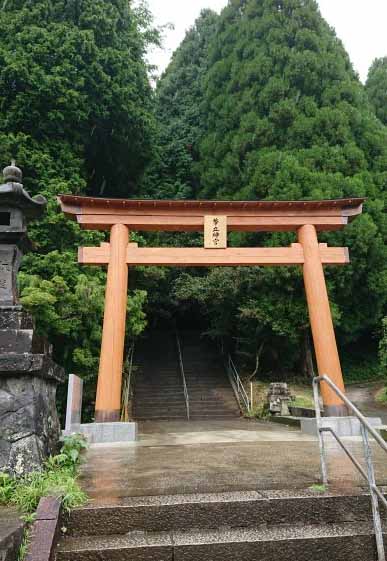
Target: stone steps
(199, 398)
(200, 405)
(249, 526)
(158, 392)
(208, 511)
(341, 542)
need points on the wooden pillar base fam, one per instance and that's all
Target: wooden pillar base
(107, 416)
(336, 410)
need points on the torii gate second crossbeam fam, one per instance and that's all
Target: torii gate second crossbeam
(121, 216)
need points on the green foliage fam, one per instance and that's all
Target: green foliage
(58, 478)
(180, 116)
(282, 115)
(247, 308)
(77, 115)
(260, 102)
(23, 550)
(376, 87)
(317, 488)
(69, 302)
(381, 396)
(304, 401)
(361, 364)
(74, 80)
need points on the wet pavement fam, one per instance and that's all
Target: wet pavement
(217, 457)
(11, 533)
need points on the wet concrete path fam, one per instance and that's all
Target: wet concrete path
(217, 457)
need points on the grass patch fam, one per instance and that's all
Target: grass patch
(58, 478)
(23, 550)
(381, 396)
(319, 488)
(303, 397)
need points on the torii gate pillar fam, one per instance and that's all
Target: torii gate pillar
(108, 402)
(324, 339)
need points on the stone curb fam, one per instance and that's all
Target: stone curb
(45, 530)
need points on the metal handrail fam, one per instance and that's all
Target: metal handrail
(186, 395)
(233, 372)
(368, 475)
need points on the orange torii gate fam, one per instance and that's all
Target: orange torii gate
(215, 219)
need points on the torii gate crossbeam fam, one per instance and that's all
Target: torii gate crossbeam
(121, 216)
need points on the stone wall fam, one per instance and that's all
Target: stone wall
(29, 425)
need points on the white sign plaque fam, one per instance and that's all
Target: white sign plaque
(215, 232)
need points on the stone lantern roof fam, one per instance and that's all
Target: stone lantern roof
(13, 195)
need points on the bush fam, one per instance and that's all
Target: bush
(58, 479)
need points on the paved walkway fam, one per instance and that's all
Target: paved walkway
(11, 533)
(216, 457)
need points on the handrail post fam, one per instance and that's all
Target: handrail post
(368, 475)
(374, 498)
(324, 471)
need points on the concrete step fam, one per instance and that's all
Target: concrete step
(158, 377)
(333, 542)
(161, 417)
(218, 386)
(155, 390)
(238, 509)
(194, 414)
(211, 407)
(212, 416)
(208, 383)
(143, 412)
(159, 399)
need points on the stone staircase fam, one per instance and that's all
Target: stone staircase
(158, 390)
(246, 526)
(210, 393)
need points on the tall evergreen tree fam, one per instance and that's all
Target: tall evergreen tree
(376, 87)
(76, 112)
(178, 108)
(287, 118)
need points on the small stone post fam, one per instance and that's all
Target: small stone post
(29, 425)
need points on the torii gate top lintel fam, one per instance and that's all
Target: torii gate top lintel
(186, 215)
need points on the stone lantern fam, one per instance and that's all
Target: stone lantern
(16, 209)
(29, 426)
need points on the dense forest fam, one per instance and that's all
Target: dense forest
(259, 102)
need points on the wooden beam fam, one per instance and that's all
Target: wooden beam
(200, 257)
(203, 211)
(188, 223)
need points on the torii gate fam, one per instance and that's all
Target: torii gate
(215, 218)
